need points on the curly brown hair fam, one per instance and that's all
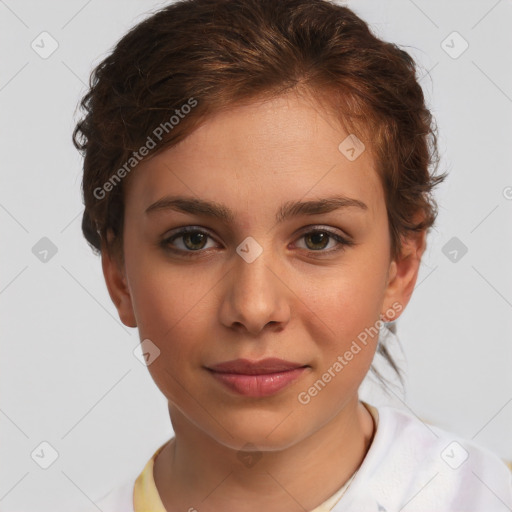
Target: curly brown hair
(211, 55)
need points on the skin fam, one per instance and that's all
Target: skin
(296, 301)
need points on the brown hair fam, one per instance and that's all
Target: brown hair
(211, 55)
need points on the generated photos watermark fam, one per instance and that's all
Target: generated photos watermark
(304, 397)
(137, 156)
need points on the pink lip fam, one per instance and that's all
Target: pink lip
(257, 378)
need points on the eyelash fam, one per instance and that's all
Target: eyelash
(343, 243)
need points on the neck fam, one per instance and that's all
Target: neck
(194, 470)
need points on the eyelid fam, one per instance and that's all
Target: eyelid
(343, 239)
(327, 229)
(183, 230)
(304, 229)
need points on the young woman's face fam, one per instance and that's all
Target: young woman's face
(258, 277)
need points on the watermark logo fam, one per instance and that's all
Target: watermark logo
(44, 45)
(454, 249)
(44, 455)
(146, 352)
(454, 45)
(455, 455)
(44, 250)
(351, 147)
(249, 249)
(248, 456)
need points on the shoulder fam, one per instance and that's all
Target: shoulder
(413, 465)
(431, 445)
(118, 499)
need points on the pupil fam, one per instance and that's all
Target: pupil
(196, 239)
(317, 238)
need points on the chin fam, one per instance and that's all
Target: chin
(265, 432)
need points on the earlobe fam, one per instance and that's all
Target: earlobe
(118, 290)
(403, 271)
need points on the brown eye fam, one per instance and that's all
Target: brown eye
(195, 240)
(187, 240)
(317, 240)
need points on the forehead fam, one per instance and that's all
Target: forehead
(260, 155)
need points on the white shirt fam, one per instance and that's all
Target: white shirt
(410, 467)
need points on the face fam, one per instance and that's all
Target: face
(256, 277)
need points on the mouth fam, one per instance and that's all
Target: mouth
(257, 378)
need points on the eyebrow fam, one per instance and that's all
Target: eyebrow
(287, 210)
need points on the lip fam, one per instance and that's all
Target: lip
(247, 367)
(257, 378)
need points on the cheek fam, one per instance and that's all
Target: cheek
(164, 294)
(168, 309)
(349, 307)
(346, 300)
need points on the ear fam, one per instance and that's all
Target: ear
(403, 273)
(115, 278)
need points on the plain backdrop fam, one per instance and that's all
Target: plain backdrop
(69, 376)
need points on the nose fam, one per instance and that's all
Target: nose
(255, 296)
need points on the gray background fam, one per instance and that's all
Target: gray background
(68, 373)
